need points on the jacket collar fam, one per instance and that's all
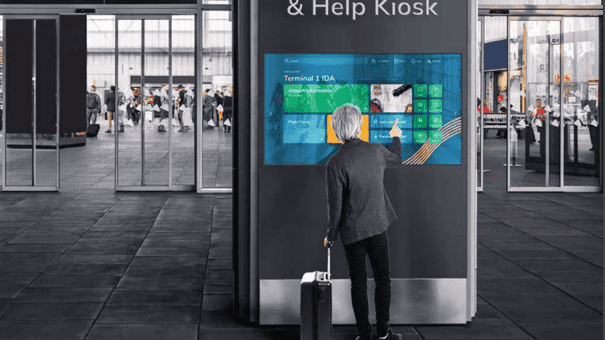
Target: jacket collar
(351, 143)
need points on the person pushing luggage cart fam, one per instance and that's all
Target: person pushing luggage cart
(360, 212)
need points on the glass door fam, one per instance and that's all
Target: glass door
(536, 145)
(142, 102)
(30, 103)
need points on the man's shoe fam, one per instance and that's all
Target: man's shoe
(391, 336)
(107, 131)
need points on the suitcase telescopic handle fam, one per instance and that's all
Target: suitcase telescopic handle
(329, 273)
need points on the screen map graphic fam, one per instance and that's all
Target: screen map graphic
(423, 91)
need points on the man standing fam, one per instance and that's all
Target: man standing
(360, 212)
(93, 106)
(110, 106)
(181, 105)
(208, 103)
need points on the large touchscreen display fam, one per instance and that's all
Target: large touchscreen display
(422, 91)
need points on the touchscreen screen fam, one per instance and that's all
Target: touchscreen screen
(422, 91)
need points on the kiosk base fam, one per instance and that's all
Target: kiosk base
(413, 301)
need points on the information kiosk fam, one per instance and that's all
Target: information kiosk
(402, 60)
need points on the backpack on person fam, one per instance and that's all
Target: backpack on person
(91, 100)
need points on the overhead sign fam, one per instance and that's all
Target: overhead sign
(355, 9)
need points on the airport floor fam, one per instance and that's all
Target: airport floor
(92, 263)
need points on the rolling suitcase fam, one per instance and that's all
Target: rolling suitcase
(316, 305)
(93, 130)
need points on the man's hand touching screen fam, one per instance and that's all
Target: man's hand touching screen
(395, 130)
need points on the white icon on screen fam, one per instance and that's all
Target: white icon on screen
(373, 61)
(286, 60)
(413, 61)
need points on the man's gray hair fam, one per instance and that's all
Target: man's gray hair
(346, 122)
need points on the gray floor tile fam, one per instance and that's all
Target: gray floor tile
(28, 257)
(120, 228)
(34, 248)
(53, 310)
(514, 285)
(17, 278)
(81, 281)
(500, 268)
(4, 303)
(143, 332)
(171, 252)
(172, 227)
(565, 330)
(222, 302)
(74, 269)
(155, 298)
(580, 288)
(255, 334)
(218, 287)
(45, 329)
(530, 254)
(159, 283)
(172, 243)
(479, 329)
(594, 257)
(563, 270)
(181, 272)
(575, 243)
(486, 311)
(94, 259)
(10, 291)
(541, 307)
(531, 245)
(114, 233)
(6, 238)
(24, 267)
(5, 230)
(220, 264)
(177, 235)
(157, 261)
(149, 315)
(220, 320)
(101, 249)
(594, 301)
(64, 295)
(219, 275)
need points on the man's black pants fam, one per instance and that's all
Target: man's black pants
(377, 249)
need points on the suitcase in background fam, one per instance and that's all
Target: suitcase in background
(93, 130)
(316, 305)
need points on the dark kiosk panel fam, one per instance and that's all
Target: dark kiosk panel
(73, 53)
(46, 76)
(402, 60)
(19, 55)
(428, 243)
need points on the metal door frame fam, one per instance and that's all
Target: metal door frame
(547, 120)
(33, 187)
(481, 19)
(199, 43)
(548, 13)
(169, 186)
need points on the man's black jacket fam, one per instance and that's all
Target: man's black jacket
(358, 206)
